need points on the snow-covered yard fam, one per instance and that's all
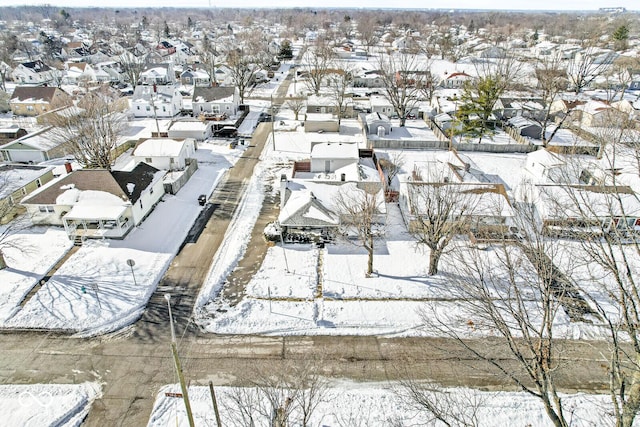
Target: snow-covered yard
(39, 405)
(375, 404)
(95, 290)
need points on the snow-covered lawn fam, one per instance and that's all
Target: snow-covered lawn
(96, 291)
(40, 405)
(375, 404)
(32, 255)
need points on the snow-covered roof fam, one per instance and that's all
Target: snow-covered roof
(159, 147)
(334, 150)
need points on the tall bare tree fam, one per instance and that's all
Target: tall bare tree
(607, 252)
(438, 212)
(401, 76)
(514, 293)
(339, 81)
(91, 132)
(552, 82)
(586, 66)
(296, 104)
(318, 60)
(360, 208)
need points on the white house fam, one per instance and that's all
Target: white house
(215, 100)
(165, 153)
(34, 73)
(97, 203)
(156, 101)
(159, 74)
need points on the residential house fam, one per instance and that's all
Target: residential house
(193, 75)
(326, 105)
(34, 100)
(506, 108)
(308, 199)
(18, 181)
(455, 80)
(79, 72)
(158, 74)
(380, 104)
(484, 207)
(97, 203)
(368, 78)
(156, 101)
(34, 73)
(598, 114)
(218, 100)
(165, 153)
(35, 147)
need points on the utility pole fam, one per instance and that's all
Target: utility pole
(176, 361)
(273, 124)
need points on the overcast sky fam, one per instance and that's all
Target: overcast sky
(438, 4)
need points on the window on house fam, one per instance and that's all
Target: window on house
(138, 107)
(164, 108)
(140, 204)
(151, 190)
(29, 107)
(45, 209)
(148, 160)
(171, 160)
(38, 182)
(24, 191)
(148, 108)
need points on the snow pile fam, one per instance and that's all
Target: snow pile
(46, 404)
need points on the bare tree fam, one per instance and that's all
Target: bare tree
(514, 293)
(296, 104)
(318, 61)
(552, 82)
(359, 208)
(242, 70)
(339, 82)
(279, 396)
(132, 67)
(209, 56)
(586, 66)
(401, 76)
(437, 212)
(392, 166)
(459, 409)
(91, 132)
(604, 210)
(367, 28)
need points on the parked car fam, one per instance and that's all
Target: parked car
(226, 132)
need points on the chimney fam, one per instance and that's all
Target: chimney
(67, 167)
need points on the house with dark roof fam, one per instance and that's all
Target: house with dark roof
(97, 203)
(215, 100)
(34, 73)
(34, 100)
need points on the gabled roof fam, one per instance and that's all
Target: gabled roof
(141, 177)
(36, 66)
(209, 94)
(125, 185)
(303, 209)
(33, 93)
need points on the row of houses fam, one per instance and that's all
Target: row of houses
(565, 202)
